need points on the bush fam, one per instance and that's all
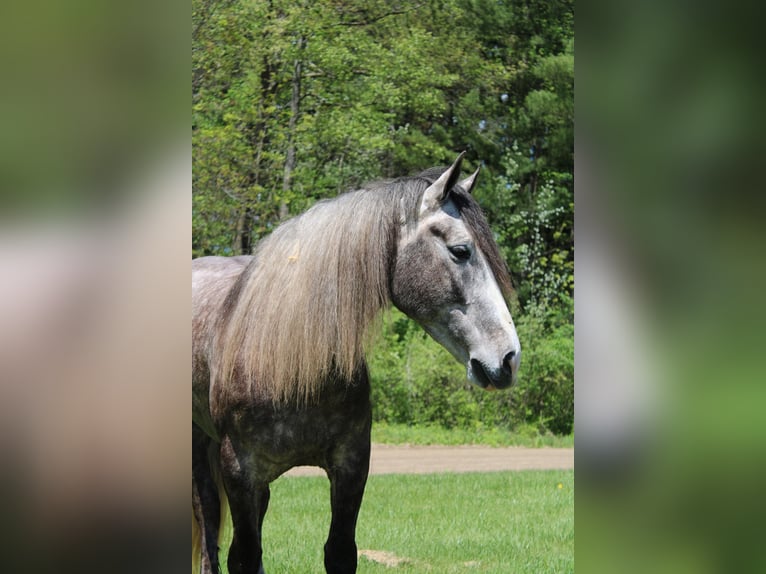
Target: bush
(545, 390)
(415, 381)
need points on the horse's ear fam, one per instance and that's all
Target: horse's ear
(439, 190)
(468, 183)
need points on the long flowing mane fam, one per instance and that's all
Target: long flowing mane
(302, 310)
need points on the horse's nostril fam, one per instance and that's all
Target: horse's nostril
(508, 362)
(480, 373)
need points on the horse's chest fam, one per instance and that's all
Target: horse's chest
(278, 439)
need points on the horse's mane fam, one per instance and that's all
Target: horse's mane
(302, 310)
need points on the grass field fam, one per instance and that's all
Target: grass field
(490, 436)
(505, 522)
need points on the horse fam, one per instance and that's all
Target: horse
(279, 337)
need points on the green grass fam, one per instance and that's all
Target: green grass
(505, 522)
(425, 435)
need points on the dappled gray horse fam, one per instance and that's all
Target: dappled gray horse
(279, 376)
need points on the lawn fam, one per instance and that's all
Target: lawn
(504, 522)
(527, 436)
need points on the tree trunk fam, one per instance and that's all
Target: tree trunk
(243, 240)
(294, 111)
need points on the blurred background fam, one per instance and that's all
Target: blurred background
(95, 174)
(670, 271)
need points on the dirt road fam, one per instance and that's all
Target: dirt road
(395, 459)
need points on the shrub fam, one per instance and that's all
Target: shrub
(416, 381)
(545, 390)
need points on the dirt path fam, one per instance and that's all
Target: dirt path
(395, 459)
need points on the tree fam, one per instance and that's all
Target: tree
(293, 102)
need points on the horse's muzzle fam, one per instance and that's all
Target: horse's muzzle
(491, 379)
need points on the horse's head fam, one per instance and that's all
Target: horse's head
(444, 281)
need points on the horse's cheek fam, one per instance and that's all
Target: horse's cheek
(419, 287)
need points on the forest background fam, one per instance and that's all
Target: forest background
(295, 101)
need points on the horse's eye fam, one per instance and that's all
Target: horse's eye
(460, 252)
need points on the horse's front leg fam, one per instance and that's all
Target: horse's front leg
(248, 502)
(348, 476)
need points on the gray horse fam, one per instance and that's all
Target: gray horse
(279, 375)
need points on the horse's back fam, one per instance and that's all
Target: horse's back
(212, 278)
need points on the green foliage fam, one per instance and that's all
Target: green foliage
(525, 434)
(545, 393)
(366, 89)
(416, 382)
(536, 234)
